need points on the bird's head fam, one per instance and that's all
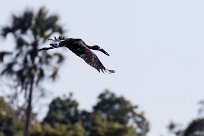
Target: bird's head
(95, 47)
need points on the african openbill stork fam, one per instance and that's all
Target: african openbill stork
(81, 49)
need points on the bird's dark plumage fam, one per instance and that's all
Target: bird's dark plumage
(81, 49)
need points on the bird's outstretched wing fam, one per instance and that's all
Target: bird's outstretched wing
(89, 57)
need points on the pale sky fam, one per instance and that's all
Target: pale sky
(156, 48)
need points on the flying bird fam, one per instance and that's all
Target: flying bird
(81, 49)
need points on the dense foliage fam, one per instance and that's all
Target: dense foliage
(99, 121)
(64, 118)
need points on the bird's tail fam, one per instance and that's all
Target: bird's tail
(108, 71)
(111, 71)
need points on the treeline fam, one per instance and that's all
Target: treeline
(112, 115)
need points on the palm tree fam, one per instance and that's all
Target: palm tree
(25, 66)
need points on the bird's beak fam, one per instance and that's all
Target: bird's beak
(102, 50)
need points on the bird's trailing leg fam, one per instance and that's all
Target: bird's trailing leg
(46, 48)
(55, 44)
(96, 47)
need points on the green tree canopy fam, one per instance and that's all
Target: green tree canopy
(65, 119)
(64, 111)
(10, 123)
(120, 110)
(112, 115)
(57, 129)
(100, 126)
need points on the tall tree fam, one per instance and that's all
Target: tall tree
(24, 65)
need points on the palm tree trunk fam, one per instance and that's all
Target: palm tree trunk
(29, 110)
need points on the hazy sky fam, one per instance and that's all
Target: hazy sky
(156, 48)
